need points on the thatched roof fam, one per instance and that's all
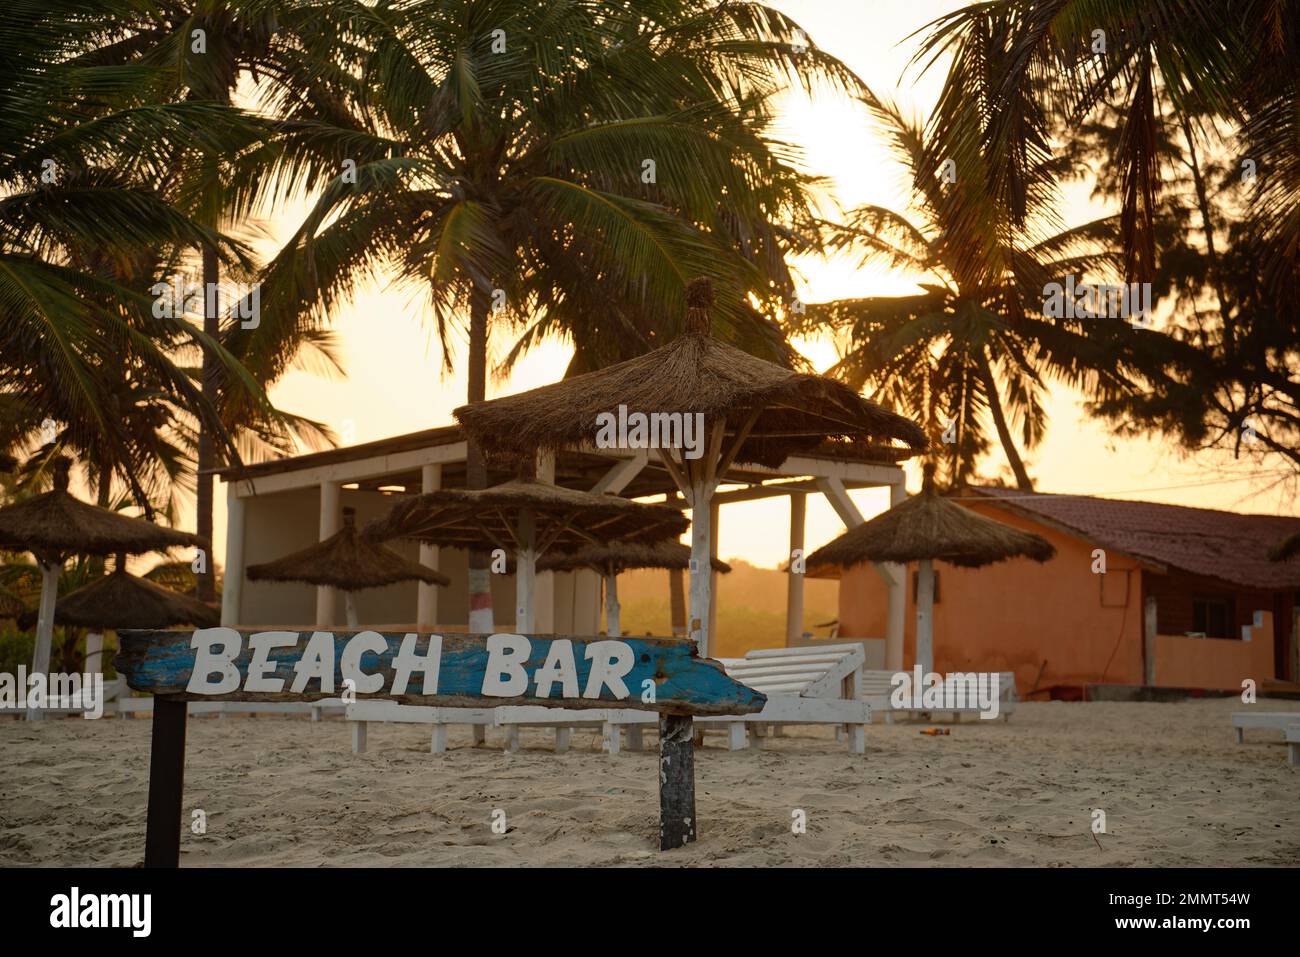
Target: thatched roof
(694, 373)
(55, 525)
(346, 561)
(929, 526)
(618, 557)
(566, 519)
(1287, 548)
(121, 600)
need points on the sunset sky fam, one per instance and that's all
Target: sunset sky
(394, 383)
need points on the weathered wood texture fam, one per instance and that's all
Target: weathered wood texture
(218, 664)
(676, 781)
(162, 841)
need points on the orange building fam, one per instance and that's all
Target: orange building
(1138, 594)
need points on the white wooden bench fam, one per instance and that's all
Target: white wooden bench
(317, 709)
(1241, 720)
(361, 713)
(879, 686)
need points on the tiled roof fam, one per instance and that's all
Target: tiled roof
(1203, 541)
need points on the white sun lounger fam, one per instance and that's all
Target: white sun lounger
(1241, 720)
(812, 685)
(878, 686)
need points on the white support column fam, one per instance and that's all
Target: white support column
(44, 627)
(896, 576)
(232, 586)
(525, 571)
(794, 580)
(329, 524)
(1149, 619)
(544, 585)
(925, 615)
(699, 602)
(426, 603)
(715, 514)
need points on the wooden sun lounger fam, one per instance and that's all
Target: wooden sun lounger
(878, 686)
(1241, 720)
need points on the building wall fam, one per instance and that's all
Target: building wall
(1218, 663)
(283, 522)
(1076, 626)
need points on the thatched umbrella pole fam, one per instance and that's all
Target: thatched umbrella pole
(53, 526)
(613, 610)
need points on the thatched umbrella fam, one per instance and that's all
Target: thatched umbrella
(1287, 548)
(752, 411)
(55, 525)
(346, 561)
(613, 559)
(928, 528)
(528, 518)
(121, 600)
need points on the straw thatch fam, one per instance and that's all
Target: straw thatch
(929, 526)
(618, 557)
(566, 519)
(1287, 548)
(55, 525)
(121, 600)
(346, 561)
(693, 373)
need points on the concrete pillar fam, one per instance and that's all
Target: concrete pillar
(232, 586)
(897, 596)
(1149, 642)
(326, 602)
(426, 605)
(794, 580)
(544, 584)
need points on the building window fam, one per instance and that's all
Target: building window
(1213, 617)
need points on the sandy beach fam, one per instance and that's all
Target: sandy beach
(1176, 788)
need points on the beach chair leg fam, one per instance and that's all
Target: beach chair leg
(358, 737)
(858, 739)
(438, 740)
(315, 713)
(609, 733)
(512, 738)
(1293, 753)
(634, 740)
(778, 731)
(1241, 735)
(562, 736)
(480, 735)
(839, 732)
(757, 732)
(735, 735)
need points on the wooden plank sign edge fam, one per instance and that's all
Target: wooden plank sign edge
(454, 670)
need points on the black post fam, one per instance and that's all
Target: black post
(676, 780)
(162, 839)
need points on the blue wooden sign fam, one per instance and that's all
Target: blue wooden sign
(228, 664)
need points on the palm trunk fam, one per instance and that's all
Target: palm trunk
(1004, 433)
(207, 584)
(480, 582)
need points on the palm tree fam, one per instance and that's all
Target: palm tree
(1193, 66)
(975, 340)
(196, 51)
(568, 166)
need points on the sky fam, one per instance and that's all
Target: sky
(394, 381)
